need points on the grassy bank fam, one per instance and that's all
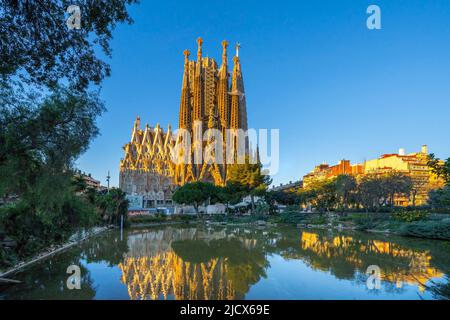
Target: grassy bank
(411, 224)
(52, 250)
(159, 219)
(418, 224)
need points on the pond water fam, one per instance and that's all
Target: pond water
(241, 263)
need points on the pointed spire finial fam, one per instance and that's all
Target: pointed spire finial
(224, 52)
(238, 45)
(224, 46)
(199, 52)
(186, 56)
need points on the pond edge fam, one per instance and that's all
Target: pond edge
(43, 255)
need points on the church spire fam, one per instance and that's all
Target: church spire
(222, 89)
(238, 106)
(186, 59)
(185, 108)
(137, 122)
(136, 129)
(199, 50)
(198, 103)
(224, 52)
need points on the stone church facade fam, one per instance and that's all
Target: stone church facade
(211, 98)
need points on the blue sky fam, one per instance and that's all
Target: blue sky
(311, 69)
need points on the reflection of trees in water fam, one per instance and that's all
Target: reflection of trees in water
(344, 256)
(441, 290)
(47, 280)
(109, 250)
(223, 263)
(389, 287)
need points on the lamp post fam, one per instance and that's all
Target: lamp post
(108, 177)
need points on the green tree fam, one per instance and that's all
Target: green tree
(371, 193)
(345, 190)
(287, 198)
(38, 48)
(38, 146)
(46, 138)
(250, 177)
(397, 184)
(231, 193)
(113, 206)
(321, 194)
(45, 125)
(195, 194)
(377, 191)
(440, 198)
(440, 168)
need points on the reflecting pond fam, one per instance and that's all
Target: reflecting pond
(242, 263)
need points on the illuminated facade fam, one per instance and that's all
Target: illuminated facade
(212, 100)
(325, 171)
(413, 165)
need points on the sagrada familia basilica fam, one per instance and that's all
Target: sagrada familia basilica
(210, 102)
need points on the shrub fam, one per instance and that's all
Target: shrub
(364, 223)
(317, 220)
(151, 218)
(219, 217)
(289, 217)
(184, 217)
(262, 208)
(411, 216)
(369, 221)
(427, 229)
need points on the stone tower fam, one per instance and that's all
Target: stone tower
(210, 99)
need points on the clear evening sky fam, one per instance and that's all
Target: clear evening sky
(311, 68)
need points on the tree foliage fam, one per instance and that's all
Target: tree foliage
(371, 192)
(440, 198)
(272, 198)
(37, 47)
(195, 194)
(345, 191)
(48, 118)
(321, 194)
(231, 193)
(440, 168)
(250, 177)
(46, 139)
(113, 205)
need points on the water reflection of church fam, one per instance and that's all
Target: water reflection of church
(205, 264)
(153, 269)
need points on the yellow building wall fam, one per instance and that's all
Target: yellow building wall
(394, 162)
